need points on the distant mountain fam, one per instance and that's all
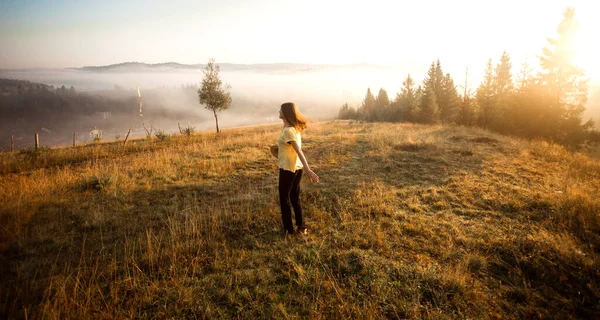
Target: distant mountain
(169, 66)
(140, 66)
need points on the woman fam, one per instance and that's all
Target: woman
(292, 163)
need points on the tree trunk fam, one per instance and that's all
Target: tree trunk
(216, 120)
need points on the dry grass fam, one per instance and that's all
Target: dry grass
(409, 221)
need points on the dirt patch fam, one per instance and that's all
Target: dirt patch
(464, 153)
(415, 147)
(484, 140)
(457, 138)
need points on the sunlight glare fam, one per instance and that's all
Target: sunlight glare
(587, 50)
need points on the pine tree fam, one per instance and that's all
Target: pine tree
(565, 82)
(503, 90)
(503, 76)
(521, 115)
(486, 97)
(395, 109)
(382, 99)
(366, 111)
(407, 107)
(448, 100)
(429, 112)
(382, 104)
(529, 111)
(347, 112)
(429, 81)
(438, 85)
(438, 79)
(467, 111)
(419, 97)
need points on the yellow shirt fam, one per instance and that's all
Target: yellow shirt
(287, 157)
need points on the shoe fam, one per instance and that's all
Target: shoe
(302, 230)
(286, 233)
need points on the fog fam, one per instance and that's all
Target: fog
(325, 85)
(169, 97)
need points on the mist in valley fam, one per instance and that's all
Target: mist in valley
(169, 98)
(169, 94)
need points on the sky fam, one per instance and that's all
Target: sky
(404, 34)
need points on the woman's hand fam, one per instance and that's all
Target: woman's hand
(312, 176)
(274, 150)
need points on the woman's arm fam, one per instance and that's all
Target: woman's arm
(311, 175)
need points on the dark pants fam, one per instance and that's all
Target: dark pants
(289, 196)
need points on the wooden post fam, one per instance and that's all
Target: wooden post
(37, 141)
(12, 143)
(128, 132)
(74, 138)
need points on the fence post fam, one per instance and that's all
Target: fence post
(128, 132)
(37, 141)
(12, 143)
(74, 135)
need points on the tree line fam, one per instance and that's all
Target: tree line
(547, 105)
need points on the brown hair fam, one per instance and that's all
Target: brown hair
(293, 117)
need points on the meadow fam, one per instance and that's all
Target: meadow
(408, 221)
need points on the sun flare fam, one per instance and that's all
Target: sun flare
(587, 50)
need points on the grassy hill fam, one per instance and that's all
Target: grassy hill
(409, 221)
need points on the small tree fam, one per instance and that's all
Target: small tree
(486, 98)
(407, 102)
(213, 94)
(366, 111)
(429, 111)
(382, 104)
(347, 112)
(467, 111)
(503, 91)
(448, 100)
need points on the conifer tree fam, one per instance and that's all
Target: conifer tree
(565, 82)
(429, 111)
(366, 111)
(486, 97)
(382, 104)
(407, 101)
(347, 112)
(503, 91)
(448, 100)
(382, 99)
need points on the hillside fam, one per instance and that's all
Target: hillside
(56, 112)
(409, 221)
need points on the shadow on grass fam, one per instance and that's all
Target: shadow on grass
(207, 233)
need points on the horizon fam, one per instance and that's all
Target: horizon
(204, 64)
(59, 35)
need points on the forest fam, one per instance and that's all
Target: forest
(547, 105)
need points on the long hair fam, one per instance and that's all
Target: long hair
(293, 116)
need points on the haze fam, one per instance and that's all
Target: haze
(60, 34)
(257, 91)
(341, 42)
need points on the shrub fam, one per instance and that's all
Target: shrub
(161, 135)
